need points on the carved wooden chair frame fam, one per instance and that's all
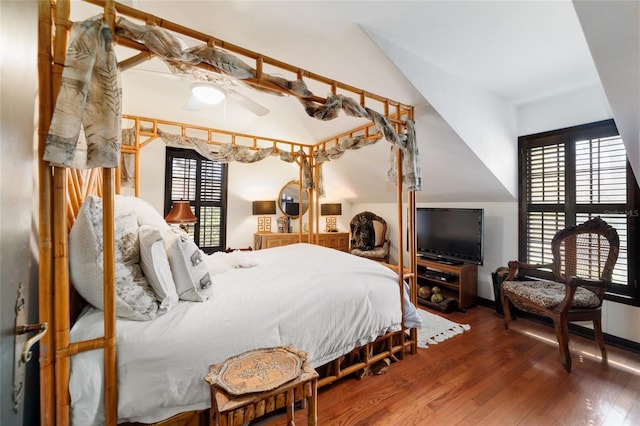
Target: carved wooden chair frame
(564, 268)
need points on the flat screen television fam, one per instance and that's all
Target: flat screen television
(450, 235)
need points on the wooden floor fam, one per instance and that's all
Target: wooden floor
(489, 376)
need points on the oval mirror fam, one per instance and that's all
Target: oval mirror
(289, 201)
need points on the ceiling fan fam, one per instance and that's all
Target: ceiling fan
(210, 90)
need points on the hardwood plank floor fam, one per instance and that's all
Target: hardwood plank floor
(490, 376)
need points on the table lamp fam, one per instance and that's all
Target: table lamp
(331, 210)
(181, 214)
(263, 209)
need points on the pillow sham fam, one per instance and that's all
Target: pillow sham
(188, 268)
(134, 298)
(155, 266)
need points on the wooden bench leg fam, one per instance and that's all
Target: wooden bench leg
(290, 414)
(312, 409)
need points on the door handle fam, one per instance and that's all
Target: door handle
(22, 346)
(26, 349)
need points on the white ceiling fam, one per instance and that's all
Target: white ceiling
(515, 51)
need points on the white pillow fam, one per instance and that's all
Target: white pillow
(190, 273)
(155, 266)
(134, 297)
(146, 214)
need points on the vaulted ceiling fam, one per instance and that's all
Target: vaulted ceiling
(478, 72)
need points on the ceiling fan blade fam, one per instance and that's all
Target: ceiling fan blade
(192, 104)
(162, 74)
(247, 103)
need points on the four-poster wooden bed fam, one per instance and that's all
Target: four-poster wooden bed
(63, 190)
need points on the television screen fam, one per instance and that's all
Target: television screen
(450, 235)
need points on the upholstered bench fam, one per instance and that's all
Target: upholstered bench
(258, 382)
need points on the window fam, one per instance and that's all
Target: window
(569, 176)
(190, 176)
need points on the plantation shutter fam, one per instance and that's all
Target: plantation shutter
(202, 182)
(545, 180)
(601, 190)
(567, 178)
(211, 205)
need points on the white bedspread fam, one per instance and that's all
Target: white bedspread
(322, 301)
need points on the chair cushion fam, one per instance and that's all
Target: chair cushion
(549, 293)
(376, 253)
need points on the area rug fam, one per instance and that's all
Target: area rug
(436, 329)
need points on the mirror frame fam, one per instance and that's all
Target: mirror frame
(286, 189)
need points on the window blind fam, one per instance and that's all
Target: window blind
(567, 178)
(202, 182)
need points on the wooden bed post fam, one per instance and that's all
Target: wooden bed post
(59, 224)
(45, 263)
(399, 188)
(109, 295)
(311, 196)
(109, 291)
(413, 266)
(61, 294)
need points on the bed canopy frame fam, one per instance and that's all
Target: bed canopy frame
(62, 191)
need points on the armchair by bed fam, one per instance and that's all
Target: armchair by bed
(369, 237)
(583, 260)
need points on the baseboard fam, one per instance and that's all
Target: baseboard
(575, 329)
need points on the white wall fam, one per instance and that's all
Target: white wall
(585, 105)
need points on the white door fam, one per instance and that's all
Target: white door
(18, 85)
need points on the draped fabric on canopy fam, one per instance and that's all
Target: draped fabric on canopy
(169, 48)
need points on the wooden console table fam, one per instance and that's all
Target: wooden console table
(335, 240)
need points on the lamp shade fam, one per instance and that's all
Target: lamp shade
(181, 213)
(264, 207)
(331, 209)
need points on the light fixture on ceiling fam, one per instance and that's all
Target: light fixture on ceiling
(207, 93)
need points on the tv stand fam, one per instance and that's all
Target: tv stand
(459, 281)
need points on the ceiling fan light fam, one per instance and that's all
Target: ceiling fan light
(207, 93)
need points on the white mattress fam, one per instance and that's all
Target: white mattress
(322, 301)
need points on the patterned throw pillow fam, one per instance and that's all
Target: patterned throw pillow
(134, 298)
(189, 270)
(155, 266)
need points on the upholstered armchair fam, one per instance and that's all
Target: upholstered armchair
(583, 258)
(369, 237)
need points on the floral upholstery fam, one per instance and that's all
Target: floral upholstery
(549, 294)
